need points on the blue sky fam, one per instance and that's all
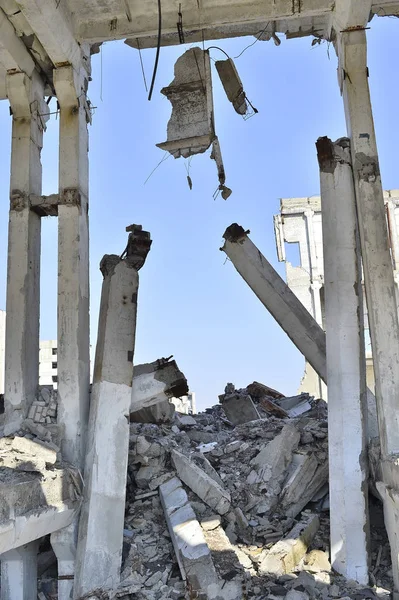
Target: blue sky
(192, 303)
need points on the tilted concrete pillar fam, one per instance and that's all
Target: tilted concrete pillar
(377, 264)
(73, 263)
(19, 573)
(29, 112)
(99, 550)
(276, 296)
(346, 363)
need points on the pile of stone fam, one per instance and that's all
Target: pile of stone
(229, 504)
(233, 503)
(44, 408)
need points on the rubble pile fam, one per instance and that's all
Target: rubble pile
(227, 504)
(218, 508)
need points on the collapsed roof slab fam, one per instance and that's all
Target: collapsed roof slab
(35, 504)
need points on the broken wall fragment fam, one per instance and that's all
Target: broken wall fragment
(191, 127)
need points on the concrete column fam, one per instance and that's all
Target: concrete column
(99, 550)
(346, 363)
(64, 543)
(73, 263)
(19, 573)
(23, 274)
(377, 264)
(73, 291)
(277, 297)
(378, 271)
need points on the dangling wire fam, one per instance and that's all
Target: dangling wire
(101, 72)
(142, 65)
(158, 49)
(165, 157)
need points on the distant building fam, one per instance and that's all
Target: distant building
(185, 404)
(48, 374)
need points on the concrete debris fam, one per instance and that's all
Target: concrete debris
(192, 552)
(156, 382)
(238, 406)
(232, 85)
(44, 409)
(190, 128)
(206, 488)
(284, 556)
(244, 518)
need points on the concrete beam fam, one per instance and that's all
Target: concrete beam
(346, 363)
(23, 275)
(201, 17)
(192, 552)
(13, 53)
(277, 297)
(52, 23)
(99, 550)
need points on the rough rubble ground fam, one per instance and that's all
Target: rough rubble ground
(253, 524)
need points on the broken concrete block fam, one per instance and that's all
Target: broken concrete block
(24, 454)
(232, 85)
(286, 554)
(201, 484)
(192, 552)
(305, 479)
(259, 390)
(34, 448)
(226, 563)
(239, 408)
(190, 128)
(301, 472)
(273, 409)
(156, 382)
(162, 412)
(271, 463)
(186, 420)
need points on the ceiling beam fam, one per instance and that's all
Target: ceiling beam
(13, 53)
(52, 23)
(223, 16)
(351, 14)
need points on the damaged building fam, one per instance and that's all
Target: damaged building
(107, 490)
(299, 242)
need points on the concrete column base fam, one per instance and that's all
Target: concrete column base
(19, 573)
(64, 545)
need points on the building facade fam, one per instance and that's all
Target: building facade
(299, 242)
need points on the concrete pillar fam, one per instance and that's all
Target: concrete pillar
(346, 363)
(276, 296)
(378, 271)
(73, 263)
(73, 360)
(29, 113)
(19, 573)
(377, 264)
(64, 543)
(99, 550)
